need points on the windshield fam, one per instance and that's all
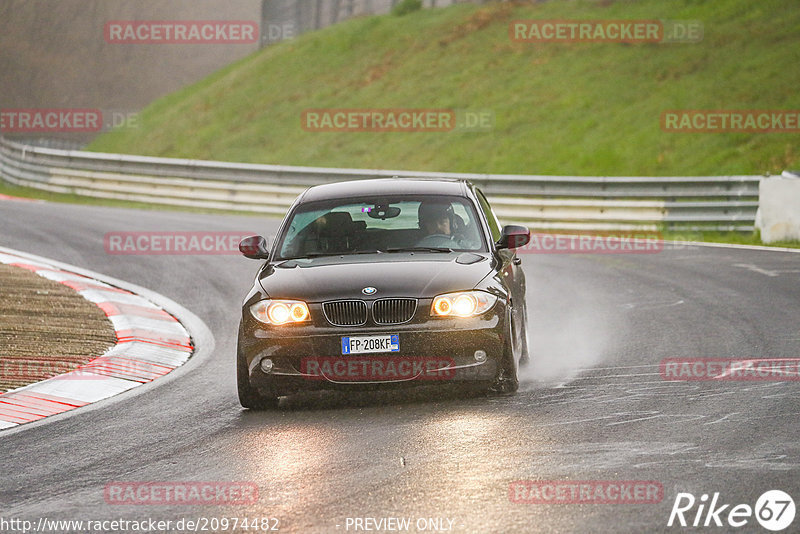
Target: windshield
(386, 224)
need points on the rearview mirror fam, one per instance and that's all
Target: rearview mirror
(254, 247)
(514, 236)
(382, 212)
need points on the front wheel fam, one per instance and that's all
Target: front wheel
(506, 381)
(525, 357)
(249, 397)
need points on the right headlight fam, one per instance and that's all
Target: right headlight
(278, 312)
(462, 304)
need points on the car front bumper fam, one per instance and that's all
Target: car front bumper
(460, 351)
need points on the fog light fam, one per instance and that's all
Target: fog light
(266, 365)
(480, 356)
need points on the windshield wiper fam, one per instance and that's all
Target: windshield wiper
(324, 254)
(419, 249)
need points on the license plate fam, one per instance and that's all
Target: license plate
(367, 344)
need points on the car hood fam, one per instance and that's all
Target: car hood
(393, 275)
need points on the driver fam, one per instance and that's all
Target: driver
(435, 217)
(436, 220)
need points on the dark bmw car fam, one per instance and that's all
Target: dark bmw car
(384, 283)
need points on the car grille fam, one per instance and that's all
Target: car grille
(384, 311)
(393, 311)
(345, 312)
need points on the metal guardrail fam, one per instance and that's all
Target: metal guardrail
(542, 202)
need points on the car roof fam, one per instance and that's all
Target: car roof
(385, 186)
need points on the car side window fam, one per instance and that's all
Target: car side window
(494, 225)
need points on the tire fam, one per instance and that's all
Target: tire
(249, 397)
(507, 381)
(525, 357)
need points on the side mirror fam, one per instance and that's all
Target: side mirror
(254, 247)
(514, 237)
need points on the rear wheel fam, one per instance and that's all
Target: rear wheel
(249, 397)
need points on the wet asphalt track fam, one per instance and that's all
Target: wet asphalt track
(321, 459)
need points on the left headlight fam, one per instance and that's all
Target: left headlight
(278, 312)
(462, 304)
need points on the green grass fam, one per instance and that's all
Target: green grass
(575, 109)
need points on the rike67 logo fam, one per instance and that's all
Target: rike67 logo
(774, 510)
